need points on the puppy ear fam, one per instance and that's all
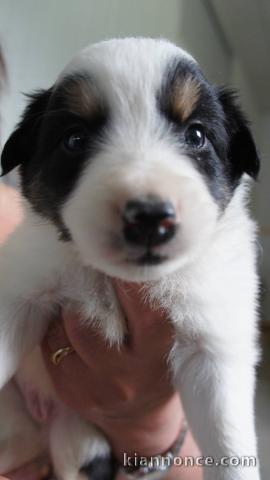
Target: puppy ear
(242, 152)
(21, 145)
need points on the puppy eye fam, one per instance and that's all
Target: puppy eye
(195, 136)
(75, 141)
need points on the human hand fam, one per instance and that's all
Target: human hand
(128, 392)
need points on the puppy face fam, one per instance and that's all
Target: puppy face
(133, 155)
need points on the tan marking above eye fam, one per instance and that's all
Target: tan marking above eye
(185, 96)
(82, 96)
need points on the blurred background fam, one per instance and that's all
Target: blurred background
(229, 38)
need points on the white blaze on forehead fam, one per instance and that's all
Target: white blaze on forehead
(138, 60)
(128, 74)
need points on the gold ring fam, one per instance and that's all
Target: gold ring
(60, 354)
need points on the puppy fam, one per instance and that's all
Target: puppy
(133, 166)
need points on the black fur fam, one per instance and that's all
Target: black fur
(242, 152)
(101, 469)
(230, 149)
(48, 172)
(21, 145)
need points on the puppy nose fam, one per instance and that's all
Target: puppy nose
(149, 222)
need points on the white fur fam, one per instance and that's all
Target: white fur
(208, 286)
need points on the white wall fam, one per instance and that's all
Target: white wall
(240, 80)
(200, 34)
(264, 187)
(263, 210)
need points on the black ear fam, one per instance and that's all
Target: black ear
(243, 155)
(21, 144)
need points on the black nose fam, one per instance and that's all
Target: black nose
(149, 222)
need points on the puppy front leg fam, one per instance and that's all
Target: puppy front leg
(29, 263)
(21, 328)
(217, 392)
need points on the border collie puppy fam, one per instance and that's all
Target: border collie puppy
(133, 166)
